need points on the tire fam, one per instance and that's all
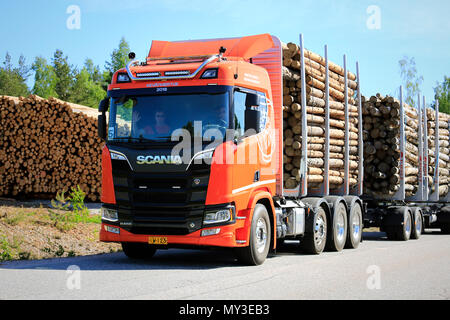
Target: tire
(138, 250)
(355, 226)
(315, 236)
(337, 234)
(260, 235)
(417, 223)
(404, 231)
(445, 228)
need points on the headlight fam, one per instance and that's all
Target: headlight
(219, 216)
(210, 74)
(110, 215)
(123, 78)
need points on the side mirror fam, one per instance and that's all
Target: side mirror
(252, 120)
(102, 126)
(252, 100)
(103, 106)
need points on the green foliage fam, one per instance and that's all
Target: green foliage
(119, 59)
(73, 210)
(59, 79)
(412, 81)
(85, 91)
(5, 250)
(442, 93)
(13, 79)
(64, 75)
(44, 79)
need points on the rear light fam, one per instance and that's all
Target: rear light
(210, 74)
(123, 78)
(177, 73)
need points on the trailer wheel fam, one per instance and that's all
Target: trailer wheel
(445, 228)
(401, 231)
(337, 234)
(260, 234)
(138, 250)
(417, 223)
(315, 236)
(355, 226)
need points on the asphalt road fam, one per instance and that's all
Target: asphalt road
(378, 269)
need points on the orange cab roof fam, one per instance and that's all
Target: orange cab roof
(245, 47)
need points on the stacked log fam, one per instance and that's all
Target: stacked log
(47, 146)
(381, 122)
(444, 150)
(315, 78)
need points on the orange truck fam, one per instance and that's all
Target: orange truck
(194, 157)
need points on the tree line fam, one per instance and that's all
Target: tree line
(87, 85)
(60, 79)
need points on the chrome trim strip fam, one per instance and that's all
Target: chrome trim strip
(260, 183)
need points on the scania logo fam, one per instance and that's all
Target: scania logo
(158, 160)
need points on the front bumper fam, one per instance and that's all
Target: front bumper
(231, 235)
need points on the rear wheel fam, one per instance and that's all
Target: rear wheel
(417, 223)
(355, 226)
(315, 236)
(260, 234)
(402, 230)
(445, 228)
(138, 250)
(337, 234)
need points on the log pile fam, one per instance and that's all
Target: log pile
(444, 150)
(315, 78)
(381, 120)
(47, 146)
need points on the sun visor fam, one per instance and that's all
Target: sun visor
(245, 47)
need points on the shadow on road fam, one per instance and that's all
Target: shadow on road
(171, 259)
(163, 260)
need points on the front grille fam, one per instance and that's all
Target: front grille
(164, 203)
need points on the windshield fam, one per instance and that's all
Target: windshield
(157, 117)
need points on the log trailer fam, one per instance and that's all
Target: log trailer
(227, 191)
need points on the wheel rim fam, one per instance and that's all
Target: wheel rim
(418, 223)
(408, 223)
(320, 230)
(261, 235)
(356, 225)
(340, 226)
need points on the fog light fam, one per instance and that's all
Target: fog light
(210, 232)
(110, 215)
(112, 229)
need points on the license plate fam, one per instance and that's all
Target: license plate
(158, 240)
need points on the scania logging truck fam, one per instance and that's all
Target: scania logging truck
(194, 158)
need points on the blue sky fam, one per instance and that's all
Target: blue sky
(419, 29)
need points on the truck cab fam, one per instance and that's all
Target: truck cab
(192, 148)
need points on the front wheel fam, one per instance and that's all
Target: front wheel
(138, 250)
(260, 234)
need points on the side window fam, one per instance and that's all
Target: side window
(239, 112)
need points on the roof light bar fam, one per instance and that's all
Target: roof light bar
(177, 73)
(148, 74)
